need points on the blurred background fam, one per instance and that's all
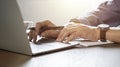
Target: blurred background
(58, 11)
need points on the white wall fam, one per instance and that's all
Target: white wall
(58, 11)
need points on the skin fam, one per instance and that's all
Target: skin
(113, 35)
(51, 34)
(39, 30)
(74, 31)
(69, 33)
(39, 26)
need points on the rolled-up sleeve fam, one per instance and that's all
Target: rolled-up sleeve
(108, 13)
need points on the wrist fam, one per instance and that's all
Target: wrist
(92, 33)
(95, 34)
(97, 31)
(103, 29)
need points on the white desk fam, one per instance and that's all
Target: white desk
(77, 57)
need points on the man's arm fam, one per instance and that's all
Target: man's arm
(87, 32)
(108, 13)
(113, 35)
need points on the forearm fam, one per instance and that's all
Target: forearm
(113, 35)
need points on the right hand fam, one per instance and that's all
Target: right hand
(73, 31)
(40, 28)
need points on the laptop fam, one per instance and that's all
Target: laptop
(13, 35)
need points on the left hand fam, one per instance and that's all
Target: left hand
(73, 31)
(51, 34)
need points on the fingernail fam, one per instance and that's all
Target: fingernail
(57, 40)
(66, 41)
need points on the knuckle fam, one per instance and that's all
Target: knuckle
(47, 21)
(44, 34)
(37, 23)
(67, 32)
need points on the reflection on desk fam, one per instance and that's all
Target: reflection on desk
(77, 57)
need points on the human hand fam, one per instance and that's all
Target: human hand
(40, 27)
(73, 31)
(50, 34)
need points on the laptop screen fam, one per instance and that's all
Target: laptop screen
(12, 36)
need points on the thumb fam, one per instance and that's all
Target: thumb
(35, 37)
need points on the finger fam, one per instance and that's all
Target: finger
(30, 35)
(71, 37)
(41, 26)
(38, 27)
(59, 36)
(63, 34)
(45, 33)
(50, 33)
(35, 37)
(37, 30)
(30, 38)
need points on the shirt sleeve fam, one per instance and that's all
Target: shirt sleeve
(108, 13)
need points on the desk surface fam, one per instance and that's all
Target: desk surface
(77, 57)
